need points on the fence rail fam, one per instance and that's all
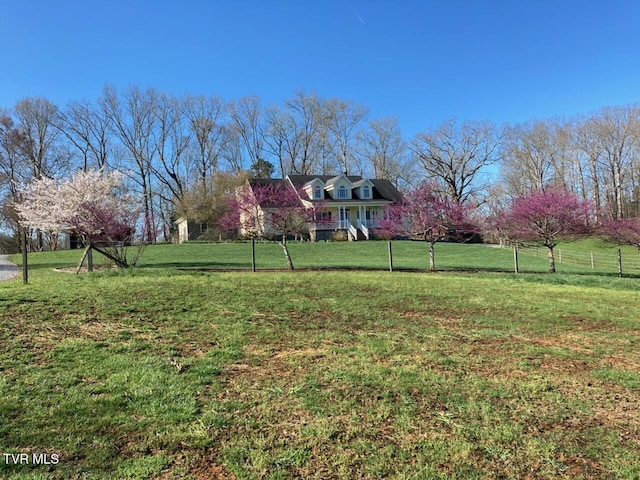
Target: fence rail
(599, 261)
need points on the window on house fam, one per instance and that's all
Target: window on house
(317, 192)
(342, 192)
(366, 192)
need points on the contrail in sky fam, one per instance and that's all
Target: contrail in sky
(357, 16)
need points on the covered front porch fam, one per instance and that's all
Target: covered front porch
(355, 220)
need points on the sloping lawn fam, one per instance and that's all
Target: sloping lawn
(160, 373)
(407, 255)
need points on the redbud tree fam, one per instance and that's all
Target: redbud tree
(270, 209)
(426, 214)
(623, 232)
(545, 217)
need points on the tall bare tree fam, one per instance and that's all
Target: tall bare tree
(308, 123)
(383, 148)
(13, 170)
(531, 155)
(38, 122)
(133, 119)
(205, 121)
(281, 140)
(86, 128)
(248, 123)
(456, 157)
(172, 141)
(343, 118)
(618, 132)
(589, 149)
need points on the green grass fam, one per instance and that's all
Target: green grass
(327, 255)
(162, 373)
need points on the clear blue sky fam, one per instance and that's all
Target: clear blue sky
(422, 61)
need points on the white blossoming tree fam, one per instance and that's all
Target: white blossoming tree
(91, 204)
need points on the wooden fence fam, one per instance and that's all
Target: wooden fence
(620, 262)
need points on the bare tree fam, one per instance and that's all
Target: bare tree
(383, 148)
(204, 117)
(132, 119)
(308, 122)
(38, 122)
(86, 128)
(618, 130)
(281, 139)
(39, 125)
(172, 141)
(531, 155)
(232, 149)
(455, 157)
(13, 170)
(247, 121)
(342, 121)
(589, 149)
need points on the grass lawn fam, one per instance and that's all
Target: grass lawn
(164, 373)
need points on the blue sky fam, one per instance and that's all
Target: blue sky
(422, 61)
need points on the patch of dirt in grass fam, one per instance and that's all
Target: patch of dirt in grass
(305, 352)
(101, 330)
(584, 324)
(623, 362)
(616, 408)
(204, 467)
(208, 469)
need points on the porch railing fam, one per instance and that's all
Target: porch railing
(363, 228)
(353, 231)
(344, 225)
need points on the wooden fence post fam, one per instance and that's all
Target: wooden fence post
(619, 263)
(90, 260)
(390, 257)
(593, 263)
(25, 267)
(515, 258)
(253, 254)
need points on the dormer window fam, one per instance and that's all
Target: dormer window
(366, 192)
(342, 192)
(317, 192)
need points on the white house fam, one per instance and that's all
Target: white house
(351, 205)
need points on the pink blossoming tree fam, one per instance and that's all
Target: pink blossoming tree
(90, 204)
(545, 217)
(425, 214)
(270, 209)
(623, 232)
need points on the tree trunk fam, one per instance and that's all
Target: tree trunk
(283, 244)
(432, 259)
(552, 261)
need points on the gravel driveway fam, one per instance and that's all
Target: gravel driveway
(7, 269)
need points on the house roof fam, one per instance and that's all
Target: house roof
(300, 180)
(382, 189)
(275, 183)
(359, 183)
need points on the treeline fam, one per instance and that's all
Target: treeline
(183, 154)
